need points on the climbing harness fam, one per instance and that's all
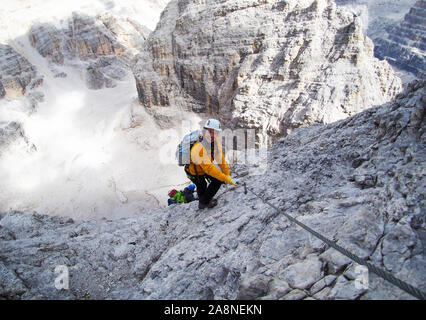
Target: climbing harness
(381, 273)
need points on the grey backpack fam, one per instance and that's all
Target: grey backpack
(183, 151)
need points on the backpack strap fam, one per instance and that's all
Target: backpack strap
(200, 138)
(186, 168)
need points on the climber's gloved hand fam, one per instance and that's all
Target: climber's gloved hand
(232, 182)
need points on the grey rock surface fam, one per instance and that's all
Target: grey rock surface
(345, 290)
(243, 248)
(303, 274)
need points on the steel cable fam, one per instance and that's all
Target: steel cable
(381, 273)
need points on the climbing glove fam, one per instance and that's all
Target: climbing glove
(232, 182)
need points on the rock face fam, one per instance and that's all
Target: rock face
(359, 181)
(268, 65)
(13, 132)
(18, 76)
(404, 45)
(105, 44)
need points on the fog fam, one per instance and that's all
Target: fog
(89, 153)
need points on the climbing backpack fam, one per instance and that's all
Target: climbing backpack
(183, 151)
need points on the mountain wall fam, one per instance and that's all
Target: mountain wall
(266, 65)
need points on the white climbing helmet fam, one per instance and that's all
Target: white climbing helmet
(212, 124)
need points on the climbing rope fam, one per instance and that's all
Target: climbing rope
(381, 273)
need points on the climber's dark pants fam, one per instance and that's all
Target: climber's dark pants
(205, 193)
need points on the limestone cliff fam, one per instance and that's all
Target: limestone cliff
(269, 65)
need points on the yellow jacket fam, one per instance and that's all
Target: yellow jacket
(202, 161)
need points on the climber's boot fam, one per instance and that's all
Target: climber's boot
(202, 205)
(212, 203)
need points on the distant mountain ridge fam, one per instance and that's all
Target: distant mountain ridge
(405, 44)
(398, 31)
